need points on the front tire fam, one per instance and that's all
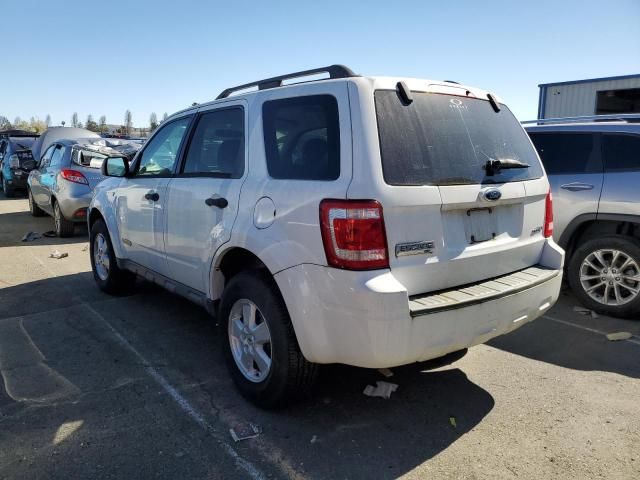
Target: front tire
(108, 276)
(259, 343)
(63, 227)
(604, 273)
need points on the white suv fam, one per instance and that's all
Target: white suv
(367, 221)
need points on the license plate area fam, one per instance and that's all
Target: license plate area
(480, 225)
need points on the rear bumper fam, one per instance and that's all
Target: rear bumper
(74, 201)
(365, 318)
(18, 180)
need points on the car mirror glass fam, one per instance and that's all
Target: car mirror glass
(115, 167)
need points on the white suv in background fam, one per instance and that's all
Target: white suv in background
(367, 221)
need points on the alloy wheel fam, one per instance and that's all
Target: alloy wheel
(250, 340)
(101, 258)
(610, 277)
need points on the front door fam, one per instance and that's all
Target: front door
(203, 198)
(142, 196)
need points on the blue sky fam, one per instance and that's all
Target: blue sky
(106, 57)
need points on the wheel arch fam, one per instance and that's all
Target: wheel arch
(590, 225)
(228, 263)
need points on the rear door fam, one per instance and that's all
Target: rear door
(621, 191)
(574, 166)
(450, 220)
(202, 200)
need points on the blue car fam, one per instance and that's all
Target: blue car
(16, 161)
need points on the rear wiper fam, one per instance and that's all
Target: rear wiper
(494, 166)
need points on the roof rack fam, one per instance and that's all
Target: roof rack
(622, 117)
(334, 71)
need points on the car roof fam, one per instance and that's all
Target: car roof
(56, 134)
(374, 82)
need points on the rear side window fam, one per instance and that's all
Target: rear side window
(621, 152)
(447, 140)
(568, 153)
(302, 138)
(56, 157)
(217, 147)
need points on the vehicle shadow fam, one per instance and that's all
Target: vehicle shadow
(560, 337)
(337, 433)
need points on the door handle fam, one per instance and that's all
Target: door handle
(153, 196)
(576, 186)
(217, 202)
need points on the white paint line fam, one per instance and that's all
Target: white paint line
(182, 402)
(633, 339)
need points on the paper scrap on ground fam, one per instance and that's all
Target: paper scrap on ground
(386, 372)
(58, 254)
(452, 421)
(382, 389)
(619, 336)
(244, 431)
(30, 236)
(585, 311)
(314, 439)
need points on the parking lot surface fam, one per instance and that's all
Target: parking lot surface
(135, 387)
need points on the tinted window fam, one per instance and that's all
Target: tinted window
(621, 152)
(302, 138)
(56, 157)
(564, 153)
(159, 155)
(448, 140)
(217, 146)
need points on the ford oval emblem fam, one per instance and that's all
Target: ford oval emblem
(492, 195)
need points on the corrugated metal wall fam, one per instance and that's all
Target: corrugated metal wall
(573, 100)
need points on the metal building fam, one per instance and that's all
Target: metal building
(596, 96)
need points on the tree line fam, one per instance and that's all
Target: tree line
(35, 124)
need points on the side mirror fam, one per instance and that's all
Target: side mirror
(115, 167)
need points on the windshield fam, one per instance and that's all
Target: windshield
(447, 140)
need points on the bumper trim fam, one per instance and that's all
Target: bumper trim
(480, 292)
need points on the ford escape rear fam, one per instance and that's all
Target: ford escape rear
(368, 221)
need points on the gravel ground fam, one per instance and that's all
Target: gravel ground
(134, 387)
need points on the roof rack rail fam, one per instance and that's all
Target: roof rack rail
(622, 117)
(334, 71)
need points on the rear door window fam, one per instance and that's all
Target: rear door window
(56, 156)
(621, 152)
(217, 146)
(568, 153)
(302, 138)
(447, 140)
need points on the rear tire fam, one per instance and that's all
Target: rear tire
(112, 279)
(618, 295)
(35, 210)
(63, 227)
(289, 375)
(9, 191)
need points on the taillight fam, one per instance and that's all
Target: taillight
(73, 176)
(353, 234)
(548, 216)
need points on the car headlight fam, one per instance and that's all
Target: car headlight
(14, 161)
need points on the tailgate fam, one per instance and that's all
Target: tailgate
(450, 219)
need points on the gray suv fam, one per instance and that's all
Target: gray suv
(593, 166)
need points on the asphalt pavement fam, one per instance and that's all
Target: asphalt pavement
(94, 386)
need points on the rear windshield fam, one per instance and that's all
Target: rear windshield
(447, 140)
(87, 158)
(24, 143)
